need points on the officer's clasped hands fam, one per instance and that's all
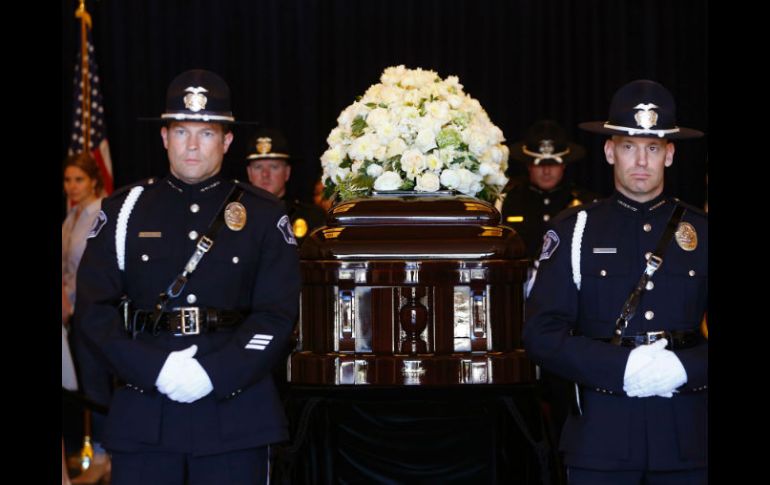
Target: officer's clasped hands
(182, 378)
(652, 370)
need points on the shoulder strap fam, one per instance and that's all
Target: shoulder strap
(653, 263)
(204, 244)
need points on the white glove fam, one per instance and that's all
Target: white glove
(182, 378)
(663, 376)
(639, 361)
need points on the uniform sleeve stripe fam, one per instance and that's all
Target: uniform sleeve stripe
(255, 346)
(260, 335)
(259, 341)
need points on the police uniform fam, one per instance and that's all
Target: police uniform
(528, 208)
(592, 259)
(238, 306)
(270, 143)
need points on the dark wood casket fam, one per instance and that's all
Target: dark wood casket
(411, 289)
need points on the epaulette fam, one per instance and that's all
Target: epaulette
(120, 192)
(261, 193)
(572, 211)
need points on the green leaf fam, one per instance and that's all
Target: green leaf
(363, 181)
(371, 105)
(358, 125)
(407, 185)
(346, 162)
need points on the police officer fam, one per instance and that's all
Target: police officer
(210, 269)
(531, 201)
(630, 343)
(269, 168)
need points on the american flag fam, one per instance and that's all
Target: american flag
(100, 149)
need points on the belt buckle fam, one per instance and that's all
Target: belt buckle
(651, 337)
(189, 320)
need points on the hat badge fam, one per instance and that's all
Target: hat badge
(195, 100)
(546, 147)
(264, 144)
(645, 117)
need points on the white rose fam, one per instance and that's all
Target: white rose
(427, 182)
(364, 147)
(355, 166)
(333, 155)
(412, 163)
(386, 133)
(425, 141)
(377, 117)
(433, 162)
(374, 170)
(395, 147)
(336, 137)
(487, 168)
(388, 181)
(450, 179)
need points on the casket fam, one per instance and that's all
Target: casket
(410, 289)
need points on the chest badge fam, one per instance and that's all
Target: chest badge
(235, 216)
(686, 237)
(299, 227)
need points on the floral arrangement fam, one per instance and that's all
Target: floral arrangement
(414, 131)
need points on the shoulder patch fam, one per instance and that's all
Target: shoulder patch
(285, 227)
(550, 243)
(99, 222)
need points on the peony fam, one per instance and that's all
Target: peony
(415, 131)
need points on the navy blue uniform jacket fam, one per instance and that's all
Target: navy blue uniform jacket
(254, 270)
(616, 431)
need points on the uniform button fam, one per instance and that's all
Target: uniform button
(647, 255)
(151, 181)
(195, 208)
(546, 201)
(647, 228)
(691, 272)
(193, 235)
(546, 217)
(236, 259)
(650, 285)
(603, 272)
(649, 314)
(145, 257)
(191, 298)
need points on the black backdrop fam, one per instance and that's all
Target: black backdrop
(296, 64)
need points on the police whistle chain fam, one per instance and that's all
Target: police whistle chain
(653, 263)
(204, 244)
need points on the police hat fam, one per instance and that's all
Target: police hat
(198, 95)
(546, 142)
(268, 143)
(642, 108)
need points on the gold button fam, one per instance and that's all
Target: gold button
(603, 272)
(649, 314)
(546, 217)
(546, 201)
(650, 285)
(691, 272)
(647, 228)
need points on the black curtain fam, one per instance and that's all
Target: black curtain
(296, 64)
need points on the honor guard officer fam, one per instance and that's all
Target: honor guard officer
(269, 168)
(616, 306)
(208, 273)
(530, 202)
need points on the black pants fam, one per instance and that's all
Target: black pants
(242, 467)
(582, 476)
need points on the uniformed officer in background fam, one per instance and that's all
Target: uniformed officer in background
(532, 200)
(269, 168)
(607, 315)
(209, 267)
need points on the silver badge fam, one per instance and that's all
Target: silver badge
(645, 117)
(546, 147)
(195, 101)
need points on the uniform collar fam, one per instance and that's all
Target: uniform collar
(630, 205)
(538, 190)
(208, 186)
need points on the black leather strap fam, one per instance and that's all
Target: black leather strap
(656, 259)
(186, 321)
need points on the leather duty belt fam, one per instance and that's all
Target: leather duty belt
(677, 339)
(185, 321)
